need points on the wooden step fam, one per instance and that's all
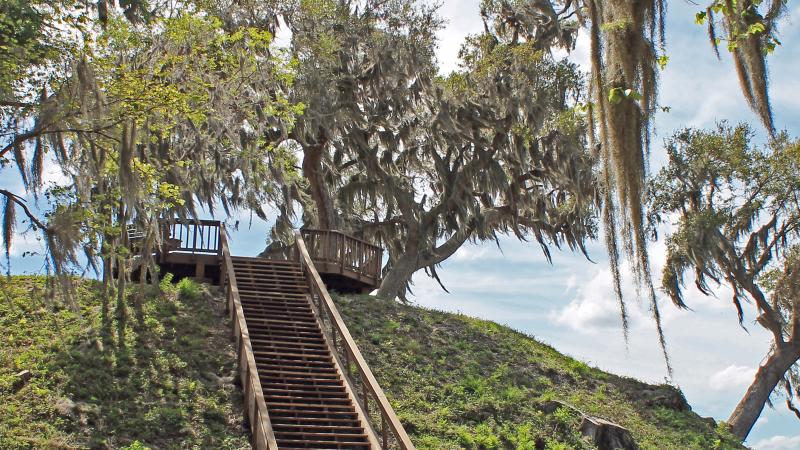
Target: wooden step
(283, 414)
(311, 406)
(346, 437)
(326, 401)
(292, 445)
(270, 373)
(293, 350)
(292, 387)
(289, 418)
(312, 428)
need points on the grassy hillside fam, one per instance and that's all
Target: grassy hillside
(456, 382)
(169, 385)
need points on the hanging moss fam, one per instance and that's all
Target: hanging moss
(625, 41)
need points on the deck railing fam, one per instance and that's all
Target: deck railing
(350, 253)
(193, 236)
(373, 401)
(263, 437)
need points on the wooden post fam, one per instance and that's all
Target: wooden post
(365, 393)
(200, 270)
(384, 432)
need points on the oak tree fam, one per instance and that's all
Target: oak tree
(736, 207)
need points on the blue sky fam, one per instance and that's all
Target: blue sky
(570, 303)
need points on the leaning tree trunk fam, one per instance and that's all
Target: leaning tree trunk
(395, 281)
(767, 378)
(313, 171)
(411, 260)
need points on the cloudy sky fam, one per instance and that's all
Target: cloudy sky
(570, 303)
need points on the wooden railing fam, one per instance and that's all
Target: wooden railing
(363, 384)
(349, 253)
(195, 236)
(263, 438)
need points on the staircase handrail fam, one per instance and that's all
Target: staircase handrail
(263, 437)
(351, 354)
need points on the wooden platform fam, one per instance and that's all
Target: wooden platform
(346, 263)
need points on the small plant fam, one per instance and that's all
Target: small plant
(189, 289)
(136, 445)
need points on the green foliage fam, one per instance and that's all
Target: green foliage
(189, 289)
(136, 445)
(147, 111)
(751, 29)
(462, 383)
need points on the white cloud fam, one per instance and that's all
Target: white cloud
(778, 443)
(463, 19)
(595, 309)
(731, 377)
(26, 242)
(471, 252)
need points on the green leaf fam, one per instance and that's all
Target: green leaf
(633, 95)
(700, 17)
(662, 61)
(756, 28)
(615, 95)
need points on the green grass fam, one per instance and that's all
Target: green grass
(458, 382)
(166, 385)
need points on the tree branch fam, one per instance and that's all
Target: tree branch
(15, 104)
(19, 201)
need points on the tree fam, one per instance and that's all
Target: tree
(628, 45)
(500, 151)
(424, 164)
(153, 119)
(737, 209)
(35, 39)
(349, 58)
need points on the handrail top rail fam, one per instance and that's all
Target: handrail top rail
(178, 221)
(349, 236)
(336, 320)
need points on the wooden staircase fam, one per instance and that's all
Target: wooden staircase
(308, 402)
(305, 383)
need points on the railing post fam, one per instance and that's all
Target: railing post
(365, 392)
(384, 432)
(194, 238)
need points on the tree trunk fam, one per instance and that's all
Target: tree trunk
(394, 284)
(314, 173)
(767, 378)
(105, 295)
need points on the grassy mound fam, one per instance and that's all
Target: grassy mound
(459, 382)
(166, 382)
